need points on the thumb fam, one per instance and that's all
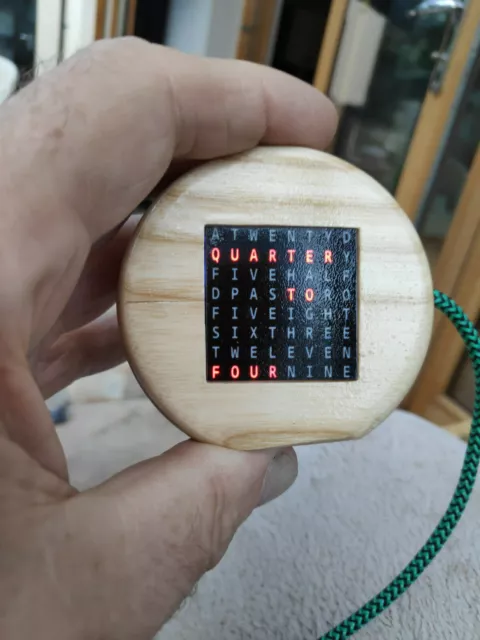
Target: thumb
(169, 520)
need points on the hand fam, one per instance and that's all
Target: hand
(80, 148)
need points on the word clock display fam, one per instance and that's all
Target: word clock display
(276, 297)
(280, 303)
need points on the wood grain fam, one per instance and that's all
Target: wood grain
(330, 44)
(449, 415)
(456, 274)
(113, 25)
(131, 17)
(466, 220)
(447, 346)
(161, 301)
(101, 17)
(434, 117)
(257, 23)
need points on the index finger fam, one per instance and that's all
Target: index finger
(87, 142)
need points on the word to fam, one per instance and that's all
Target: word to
(280, 303)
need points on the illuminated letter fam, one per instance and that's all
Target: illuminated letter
(309, 295)
(254, 371)
(234, 255)
(272, 255)
(272, 371)
(235, 371)
(291, 293)
(328, 257)
(215, 371)
(291, 253)
(216, 255)
(253, 256)
(309, 256)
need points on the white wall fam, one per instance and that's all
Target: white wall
(79, 30)
(204, 27)
(225, 23)
(47, 34)
(188, 25)
(80, 19)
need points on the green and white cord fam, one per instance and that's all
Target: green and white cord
(449, 521)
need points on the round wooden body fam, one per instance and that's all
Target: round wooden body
(368, 337)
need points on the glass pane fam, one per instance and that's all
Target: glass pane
(376, 136)
(462, 387)
(457, 157)
(7, 29)
(17, 32)
(301, 28)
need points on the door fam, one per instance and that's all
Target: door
(418, 134)
(415, 50)
(449, 225)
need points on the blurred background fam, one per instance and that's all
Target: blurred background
(405, 77)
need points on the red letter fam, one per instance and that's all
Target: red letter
(328, 259)
(290, 293)
(272, 371)
(253, 256)
(272, 255)
(254, 371)
(215, 371)
(309, 295)
(309, 256)
(291, 253)
(235, 371)
(216, 255)
(234, 255)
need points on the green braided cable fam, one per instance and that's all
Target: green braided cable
(447, 524)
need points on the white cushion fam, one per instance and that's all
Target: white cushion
(9, 75)
(356, 516)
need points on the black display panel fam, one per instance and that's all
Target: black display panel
(280, 303)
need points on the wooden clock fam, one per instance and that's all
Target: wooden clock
(276, 297)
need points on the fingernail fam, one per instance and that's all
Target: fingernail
(281, 474)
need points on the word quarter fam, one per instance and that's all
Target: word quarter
(280, 303)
